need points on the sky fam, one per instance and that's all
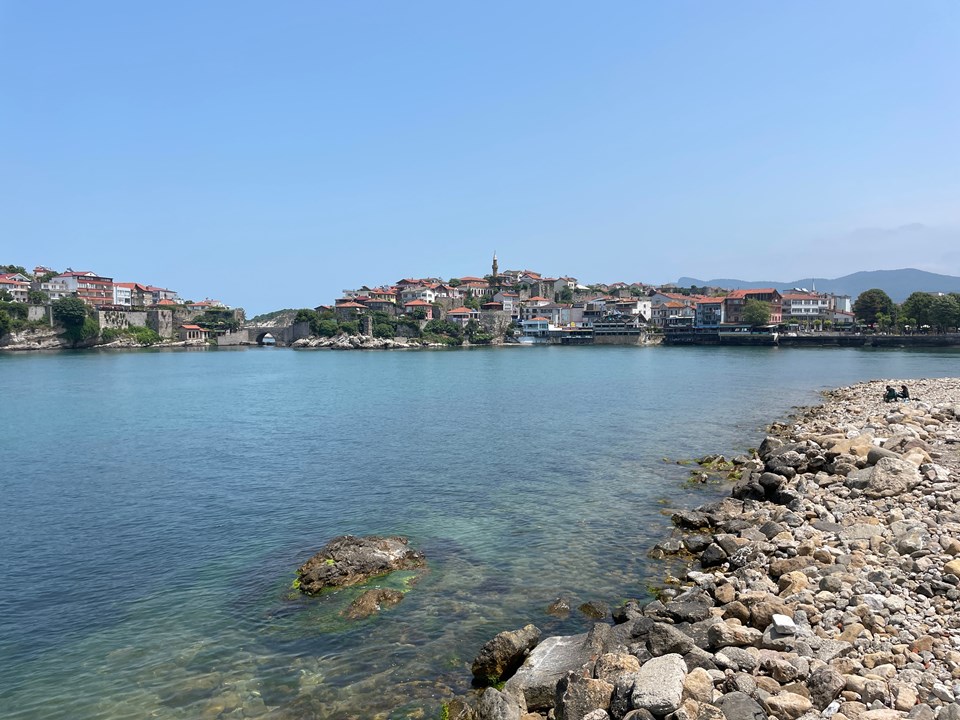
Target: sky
(270, 155)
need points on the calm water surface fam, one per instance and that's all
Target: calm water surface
(156, 505)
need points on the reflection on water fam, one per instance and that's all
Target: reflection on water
(161, 503)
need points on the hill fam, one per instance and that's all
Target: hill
(898, 284)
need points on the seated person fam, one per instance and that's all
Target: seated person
(904, 394)
(890, 395)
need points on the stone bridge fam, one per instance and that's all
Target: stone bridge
(282, 335)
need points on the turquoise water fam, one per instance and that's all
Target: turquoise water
(156, 505)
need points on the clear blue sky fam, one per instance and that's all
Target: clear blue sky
(271, 154)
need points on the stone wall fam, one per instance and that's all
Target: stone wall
(120, 319)
(161, 322)
(37, 313)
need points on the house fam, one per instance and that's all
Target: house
(664, 314)
(93, 289)
(17, 285)
(536, 327)
(510, 302)
(122, 294)
(552, 311)
(442, 290)
(733, 304)
(191, 333)
(803, 306)
(708, 313)
(418, 307)
(463, 315)
(638, 307)
(159, 293)
(55, 289)
(477, 287)
(348, 311)
(417, 292)
(379, 305)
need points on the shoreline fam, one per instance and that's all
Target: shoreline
(827, 584)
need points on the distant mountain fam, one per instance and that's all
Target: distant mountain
(898, 284)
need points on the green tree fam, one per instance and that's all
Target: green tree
(326, 328)
(917, 308)
(37, 297)
(13, 269)
(872, 303)
(70, 312)
(351, 327)
(5, 323)
(472, 302)
(454, 282)
(756, 312)
(944, 313)
(5, 296)
(565, 295)
(306, 315)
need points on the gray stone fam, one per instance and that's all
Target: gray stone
(734, 658)
(495, 705)
(824, 685)
(739, 706)
(349, 560)
(665, 639)
(578, 696)
(546, 665)
(787, 705)
(658, 686)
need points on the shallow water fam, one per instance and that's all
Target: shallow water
(156, 505)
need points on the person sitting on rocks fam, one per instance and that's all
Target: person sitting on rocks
(904, 394)
(890, 395)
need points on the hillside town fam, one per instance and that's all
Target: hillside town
(504, 306)
(537, 308)
(136, 310)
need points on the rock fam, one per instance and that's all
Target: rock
(348, 560)
(665, 639)
(372, 601)
(784, 624)
(610, 666)
(559, 608)
(739, 706)
(499, 658)
(824, 685)
(658, 687)
(578, 696)
(698, 685)
(595, 610)
(724, 634)
(495, 705)
(546, 665)
(787, 705)
(890, 477)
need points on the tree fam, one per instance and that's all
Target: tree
(5, 323)
(455, 282)
(70, 312)
(944, 313)
(5, 296)
(37, 297)
(565, 295)
(756, 312)
(917, 307)
(872, 303)
(13, 269)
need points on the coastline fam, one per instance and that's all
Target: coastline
(826, 585)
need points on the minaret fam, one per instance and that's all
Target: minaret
(495, 279)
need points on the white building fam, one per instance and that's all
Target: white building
(17, 285)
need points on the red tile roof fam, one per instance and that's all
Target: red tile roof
(461, 311)
(418, 303)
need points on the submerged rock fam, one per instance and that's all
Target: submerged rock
(372, 601)
(348, 560)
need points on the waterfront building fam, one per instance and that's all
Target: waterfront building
(415, 306)
(193, 332)
(736, 299)
(708, 313)
(463, 315)
(123, 294)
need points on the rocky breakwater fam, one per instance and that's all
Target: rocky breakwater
(826, 586)
(348, 560)
(361, 342)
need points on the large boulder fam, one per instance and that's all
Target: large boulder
(890, 477)
(548, 663)
(348, 560)
(371, 602)
(500, 657)
(658, 686)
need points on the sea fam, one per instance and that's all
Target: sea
(155, 505)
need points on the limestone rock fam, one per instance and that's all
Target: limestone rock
(348, 560)
(658, 686)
